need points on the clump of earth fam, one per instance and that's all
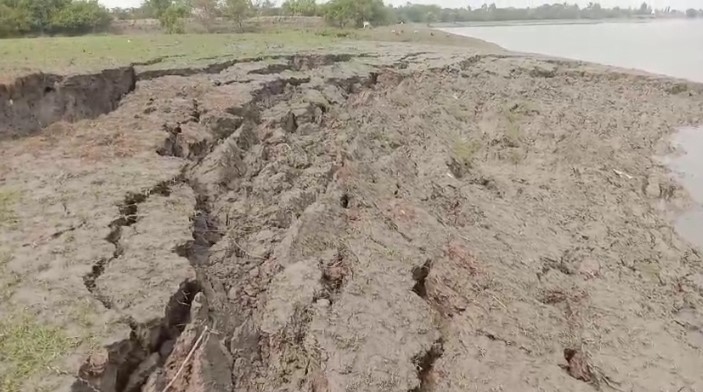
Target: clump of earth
(387, 218)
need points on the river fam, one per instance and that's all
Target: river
(669, 47)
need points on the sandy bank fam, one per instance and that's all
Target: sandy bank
(376, 217)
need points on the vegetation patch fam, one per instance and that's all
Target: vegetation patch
(26, 348)
(514, 115)
(513, 134)
(40, 17)
(462, 156)
(8, 279)
(8, 199)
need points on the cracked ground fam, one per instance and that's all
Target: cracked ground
(382, 218)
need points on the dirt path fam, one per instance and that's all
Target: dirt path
(380, 218)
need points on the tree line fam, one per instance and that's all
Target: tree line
(341, 12)
(171, 13)
(352, 13)
(348, 12)
(25, 17)
(71, 17)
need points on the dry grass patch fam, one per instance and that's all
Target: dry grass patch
(8, 279)
(8, 200)
(513, 132)
(462, 156)
(463, 151)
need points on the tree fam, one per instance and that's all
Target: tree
(266, 8)
(691, 13)
(645, 9)
(158, 7)
(14, 21)
(344, 13)
(205, 11)
(300, 7)
(237, 10)
(20, 17)
(170, 13)
(80, 17)
(41, 11)
(141, 12)
(171, 18)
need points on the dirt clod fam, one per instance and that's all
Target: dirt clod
(577, 365)
(420, 275)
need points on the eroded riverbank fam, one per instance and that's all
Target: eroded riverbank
(382, 218)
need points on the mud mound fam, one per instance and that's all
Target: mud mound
(397, 221)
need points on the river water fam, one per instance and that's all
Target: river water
(687, 167)
(671, 47)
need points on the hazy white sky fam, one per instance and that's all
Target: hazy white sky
(680, 4)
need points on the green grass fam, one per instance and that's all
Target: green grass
(66, 55)
(8, 199)
(27, 348)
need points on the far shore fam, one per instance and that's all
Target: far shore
(554, 22)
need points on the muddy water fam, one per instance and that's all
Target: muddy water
(688, 169)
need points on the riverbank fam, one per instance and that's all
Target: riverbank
(365, 217)
(660, 46)
(539, 22)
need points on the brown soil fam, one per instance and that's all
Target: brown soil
(411, 219)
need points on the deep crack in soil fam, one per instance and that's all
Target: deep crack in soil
(35, 101)
(425, 363)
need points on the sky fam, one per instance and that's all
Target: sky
(677, 4)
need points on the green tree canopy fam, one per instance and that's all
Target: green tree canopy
(80, 17)
(345, 13)
(300, 7)
(14, 21)
(19, 17)
(172, 18)
(40, 12)
(158, 7)
(420, 13)
(237, 10)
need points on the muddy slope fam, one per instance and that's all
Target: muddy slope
(407, 220)
(38, 100)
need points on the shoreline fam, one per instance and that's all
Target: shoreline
(539, 22)
(580, 50)
(438, 212)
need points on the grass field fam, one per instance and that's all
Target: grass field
(86, 53)
(66, 55)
